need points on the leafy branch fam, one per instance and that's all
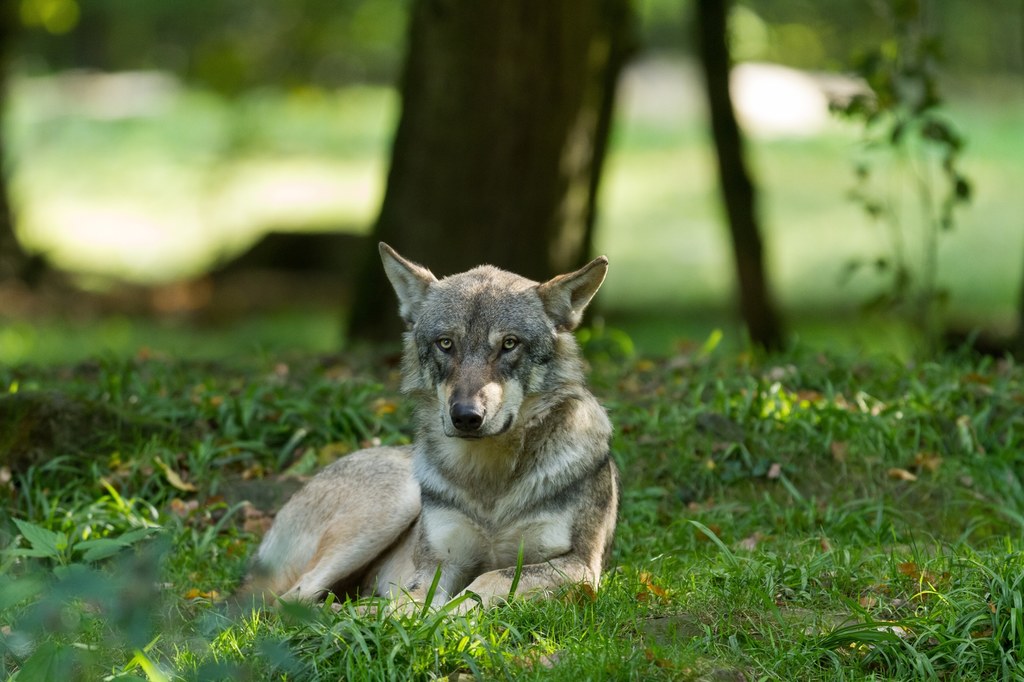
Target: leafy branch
(904, 133)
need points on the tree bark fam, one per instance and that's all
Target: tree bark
(15, 263)
(497, 156)
(1016, 343)
(738, 192)
(9, 247)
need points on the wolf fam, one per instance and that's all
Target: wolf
(509, 484)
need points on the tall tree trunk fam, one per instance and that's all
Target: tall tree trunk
(506, 107)
(14, 261)
(738, 193)
(1016, 343)
(9, 247)
(12, 257)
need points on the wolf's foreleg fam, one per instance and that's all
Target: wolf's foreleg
(531, 581)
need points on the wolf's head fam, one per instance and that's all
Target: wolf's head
(486, 341)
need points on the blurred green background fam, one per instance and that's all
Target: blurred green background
(150, 143)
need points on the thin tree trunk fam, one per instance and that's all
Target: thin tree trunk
(9, 247)
(498, 151)
(14, 261)
(738, 193)
(1016, 343)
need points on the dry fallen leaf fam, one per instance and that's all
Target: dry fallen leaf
(579, 594)
(910, 569)
(839, 449)
(532, 662)
(657, 660)
(898, 630)
(901, 474)
(928, 461)
(751, 543)
(701, 537)
(196, 593)
(918, 574)
(174, 478)
(253, 471)
(648, 587)
(181, 508)
(644, 365)
(809, 397)
(255, 520)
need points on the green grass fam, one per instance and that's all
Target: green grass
(806, 516)
(58, 340)
(812, 516)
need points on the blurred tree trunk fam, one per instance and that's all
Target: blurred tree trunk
(738, 193)
(1016, 342)
(14, 261)
(10, 250)
(11, 254)
(498, 153)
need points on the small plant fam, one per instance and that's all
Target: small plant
(82, 590)
(911, 153)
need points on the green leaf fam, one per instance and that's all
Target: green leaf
(101, 548)
(15, 590)
(152, 670)
(28, 552)
(710, 534)
(49, 662)
(42, 539)
(133, 536)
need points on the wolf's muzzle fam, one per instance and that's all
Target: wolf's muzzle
(467, 417)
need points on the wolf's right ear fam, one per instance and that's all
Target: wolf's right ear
(409, 280)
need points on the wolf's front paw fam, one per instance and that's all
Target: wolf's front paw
(468, 601)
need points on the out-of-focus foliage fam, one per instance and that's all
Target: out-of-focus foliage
(231, 45)
(818, 35)
(916, 147)
(228, 45)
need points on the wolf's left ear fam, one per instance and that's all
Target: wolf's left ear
(566, 297)
(409, 280)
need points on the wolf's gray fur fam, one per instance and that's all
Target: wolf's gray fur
(510, 456)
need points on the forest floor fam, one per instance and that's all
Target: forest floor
(801, 516)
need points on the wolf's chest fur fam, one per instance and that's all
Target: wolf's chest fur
(475, 547)
(485, 502)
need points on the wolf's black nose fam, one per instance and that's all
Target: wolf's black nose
(466, 417)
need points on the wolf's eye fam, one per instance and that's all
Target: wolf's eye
(509, 343)
(444, 343)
